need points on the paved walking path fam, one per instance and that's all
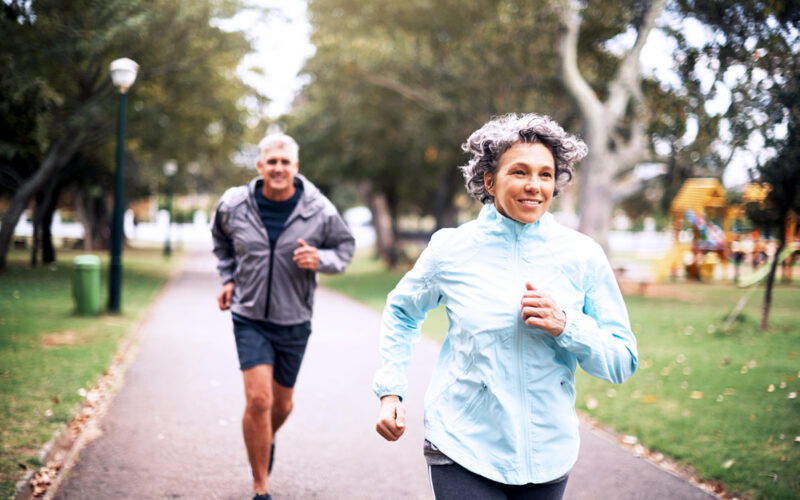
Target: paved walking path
(173, 430)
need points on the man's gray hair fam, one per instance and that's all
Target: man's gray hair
(488, 143)
(278, 139)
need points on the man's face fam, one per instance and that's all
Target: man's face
(278, 167)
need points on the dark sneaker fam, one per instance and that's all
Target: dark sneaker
(271, 457)
(262, 495)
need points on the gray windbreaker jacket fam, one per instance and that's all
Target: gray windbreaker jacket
(269, 285)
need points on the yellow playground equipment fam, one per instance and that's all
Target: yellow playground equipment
(699, 202)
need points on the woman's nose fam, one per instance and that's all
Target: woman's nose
(532, 184)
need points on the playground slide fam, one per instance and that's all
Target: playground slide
(674, 258)
(762, 272)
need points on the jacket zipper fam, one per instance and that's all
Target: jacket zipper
(521, 367)
(269, 275)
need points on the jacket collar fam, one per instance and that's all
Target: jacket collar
(310, 203)
(493, 222)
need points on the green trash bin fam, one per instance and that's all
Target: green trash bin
(86, 284)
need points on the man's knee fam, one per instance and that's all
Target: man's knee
(259, 402)
(283, 406)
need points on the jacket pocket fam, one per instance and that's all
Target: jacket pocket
(470, 404)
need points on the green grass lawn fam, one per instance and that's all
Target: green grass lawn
(48, 354)
(724, 403)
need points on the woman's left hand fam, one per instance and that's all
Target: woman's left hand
(539, 309)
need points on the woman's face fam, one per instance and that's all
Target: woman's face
(524, 182)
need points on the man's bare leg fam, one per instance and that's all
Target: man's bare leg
(281, 406)
(257, 421)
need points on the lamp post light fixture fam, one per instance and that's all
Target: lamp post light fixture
(123, 74)
(170, 169)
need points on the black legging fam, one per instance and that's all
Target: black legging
(453, 482)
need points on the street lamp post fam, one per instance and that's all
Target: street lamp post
(123, 74)
(170, 169)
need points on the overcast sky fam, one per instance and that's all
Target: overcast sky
(281, 42)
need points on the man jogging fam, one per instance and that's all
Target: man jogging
(271, 236)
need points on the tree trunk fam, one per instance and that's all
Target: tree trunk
(381, 220)
(768, 290)
(58, 155)
(94, 216)
(48, 249)
(596, 198)
(602, 118)
(393, 254)
(444, 210)
(36, 235)
(46, 202)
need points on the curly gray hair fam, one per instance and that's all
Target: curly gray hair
(488, 143)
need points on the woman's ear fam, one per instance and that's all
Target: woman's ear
(488, 182)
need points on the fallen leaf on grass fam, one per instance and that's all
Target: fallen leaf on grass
(631, 440)
(792, 395)
(730, 391)
(771, 388)
(791, 355)
(696, 395)
(591, 403)
(650, 398)
(743, 370)
(752, 416)
(728, 463)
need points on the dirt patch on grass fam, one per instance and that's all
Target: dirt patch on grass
(59, 339)
(69, 337)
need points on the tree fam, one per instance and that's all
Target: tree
(753, 50)
(184, 107)
(395, 87)
(614, 126)
(782, 176)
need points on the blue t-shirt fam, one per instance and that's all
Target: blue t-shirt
(275, 213)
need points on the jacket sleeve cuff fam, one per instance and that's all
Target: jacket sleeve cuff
(382, 391)
(383, 385)
(569, 338)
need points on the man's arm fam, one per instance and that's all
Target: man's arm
(223, 246)
(337, 249)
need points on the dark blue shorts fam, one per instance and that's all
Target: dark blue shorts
(263, 343)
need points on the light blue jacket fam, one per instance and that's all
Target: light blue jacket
(501, 401)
